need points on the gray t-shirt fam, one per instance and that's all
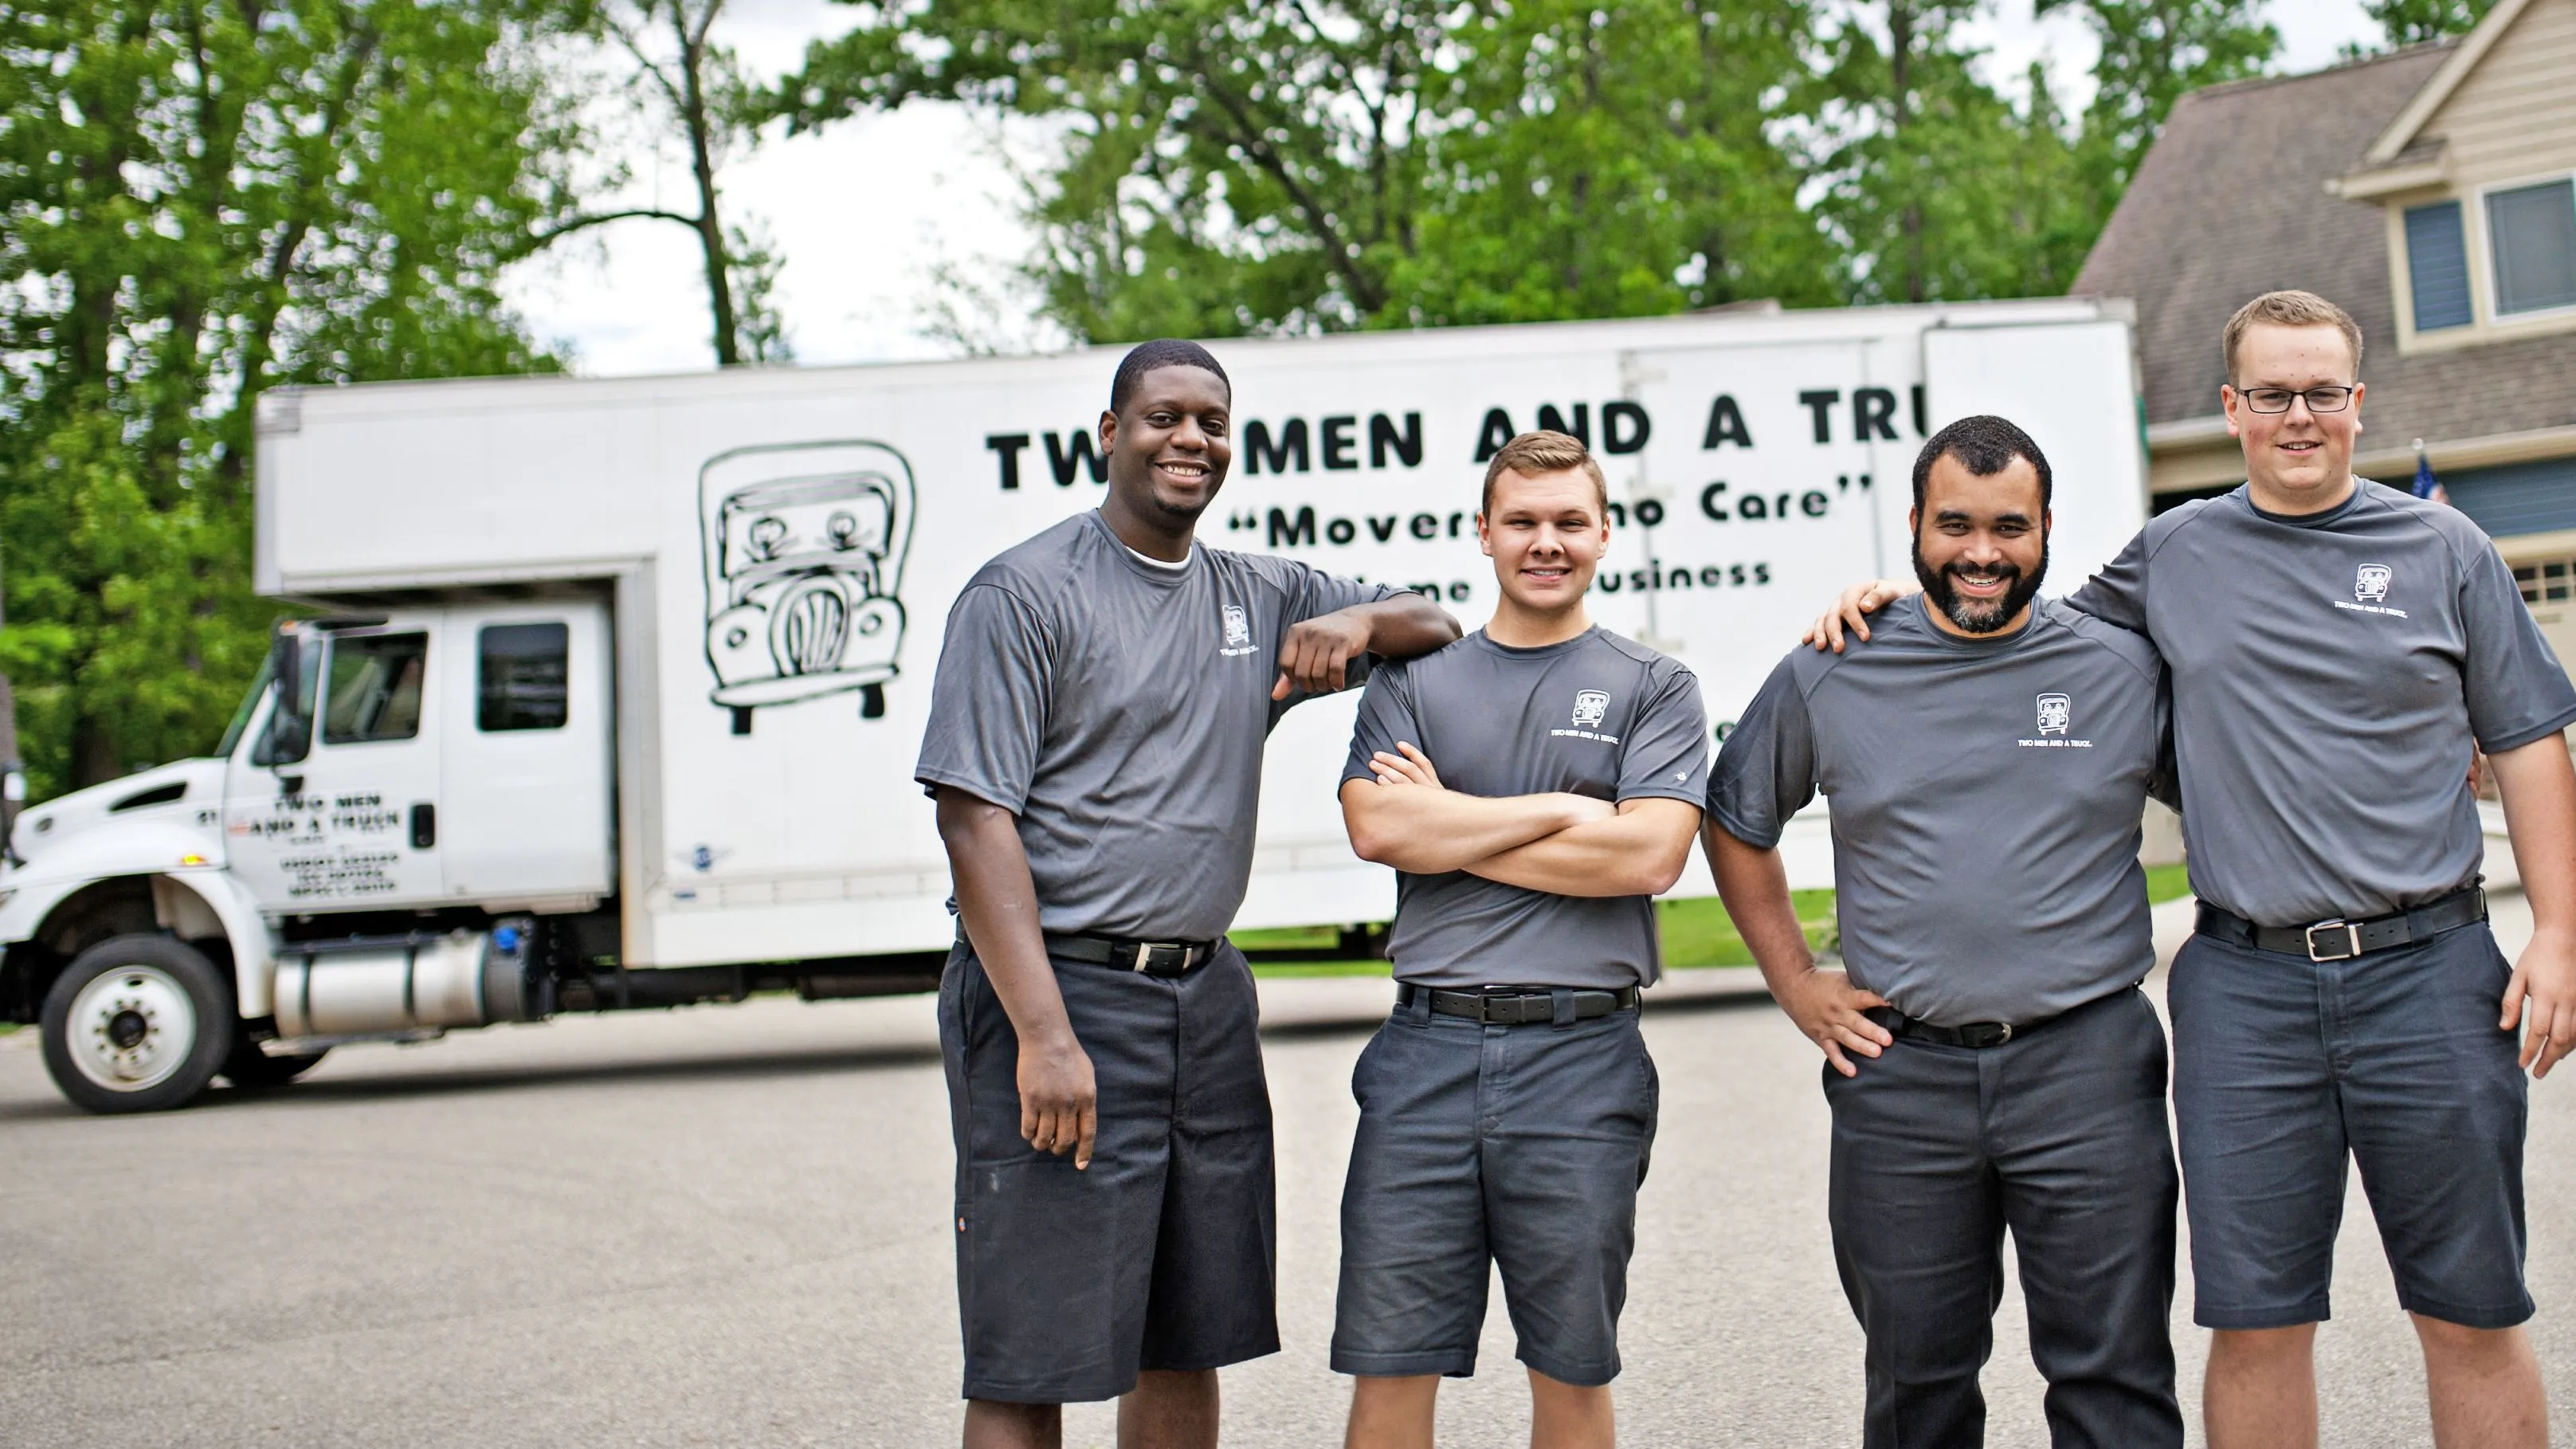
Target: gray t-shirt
(1596, 715)
(1986, 801)
(2329, 675)
(1119, 710)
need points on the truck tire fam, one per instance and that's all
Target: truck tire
(249, 1068)
(137, 1023)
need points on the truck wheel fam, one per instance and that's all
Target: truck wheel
(137, 1023)
(250, 1068)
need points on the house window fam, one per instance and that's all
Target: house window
(2546, 582)
(2437, 256)
(2533, 231)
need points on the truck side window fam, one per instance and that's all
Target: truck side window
(264, 749)
(374, 688)
(521, 684)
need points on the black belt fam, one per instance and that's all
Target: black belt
(1517, 1005)
(2341, 940)
(1154, 958)
(1976, 1034)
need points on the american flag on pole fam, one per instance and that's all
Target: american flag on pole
(2426, 485)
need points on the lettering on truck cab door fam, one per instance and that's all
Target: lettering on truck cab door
(339, 809)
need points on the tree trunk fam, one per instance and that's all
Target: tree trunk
(1900, 46)
(702, 165)
(94, 759)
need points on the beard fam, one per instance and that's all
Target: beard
(1979, 616)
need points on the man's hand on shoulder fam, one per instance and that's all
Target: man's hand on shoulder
(2541, 1000)
(1851, 610)
(1827, 1007)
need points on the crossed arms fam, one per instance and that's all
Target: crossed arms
(1567, 845)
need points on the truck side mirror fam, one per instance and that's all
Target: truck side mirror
(290, 716)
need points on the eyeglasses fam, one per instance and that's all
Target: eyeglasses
(2277, 399)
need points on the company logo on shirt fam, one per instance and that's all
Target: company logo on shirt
(1591, 707)
(2056, 714)
(2370, 591)
(1238, 632)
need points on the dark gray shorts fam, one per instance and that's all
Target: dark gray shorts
(2284, 1066)
(1518, 1145)
(1162, 1254)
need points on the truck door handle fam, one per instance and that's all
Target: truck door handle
(424, 825)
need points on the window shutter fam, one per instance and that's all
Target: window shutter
(2437, 260)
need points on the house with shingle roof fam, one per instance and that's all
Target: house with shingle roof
(2432, 193)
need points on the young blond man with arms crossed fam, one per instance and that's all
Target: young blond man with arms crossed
(1536, 784)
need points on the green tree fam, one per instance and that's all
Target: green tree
(1617, 161)
(2412, 22)
(2153, 52)
(201, 200)
(691, 88)
(1272, 165)
(1936, 187)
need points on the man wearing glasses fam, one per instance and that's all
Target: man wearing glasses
(2338, 650)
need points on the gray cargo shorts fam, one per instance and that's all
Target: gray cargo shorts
(2285, 1067)
(1522, 1146)
(1161, 1255)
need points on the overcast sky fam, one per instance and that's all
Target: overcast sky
(867, 209)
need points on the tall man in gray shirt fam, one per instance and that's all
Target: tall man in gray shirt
(2338, 652)
(1536, 784)
(1988, 756)
(1095, 750)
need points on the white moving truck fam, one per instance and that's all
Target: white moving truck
(607, 692)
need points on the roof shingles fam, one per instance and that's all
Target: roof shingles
(2231, 203)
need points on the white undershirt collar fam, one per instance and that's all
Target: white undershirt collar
(1151, 562)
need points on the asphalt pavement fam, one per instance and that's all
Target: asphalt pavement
(728, 1226)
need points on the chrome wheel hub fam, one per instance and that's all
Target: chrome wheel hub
(132, 1028)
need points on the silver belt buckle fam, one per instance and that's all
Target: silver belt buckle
(1145, 954)
(2351, 941)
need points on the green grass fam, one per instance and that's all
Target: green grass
(1286, 938)
(2166, 883)
(1699, 933)
(1696, 933)
(1323, 968)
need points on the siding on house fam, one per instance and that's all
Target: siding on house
(2245, 191)
(2514, 117)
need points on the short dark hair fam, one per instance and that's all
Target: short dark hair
(1985, 445)
(1144, 357)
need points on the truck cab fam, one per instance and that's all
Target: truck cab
(403, 804)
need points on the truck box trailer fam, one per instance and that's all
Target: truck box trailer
(606, 693)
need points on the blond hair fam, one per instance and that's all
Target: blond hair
(2290, 309)
(1532, 454)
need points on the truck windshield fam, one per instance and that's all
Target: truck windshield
(241, 716)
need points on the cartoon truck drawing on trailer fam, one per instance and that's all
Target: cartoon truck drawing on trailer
(804, 553)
